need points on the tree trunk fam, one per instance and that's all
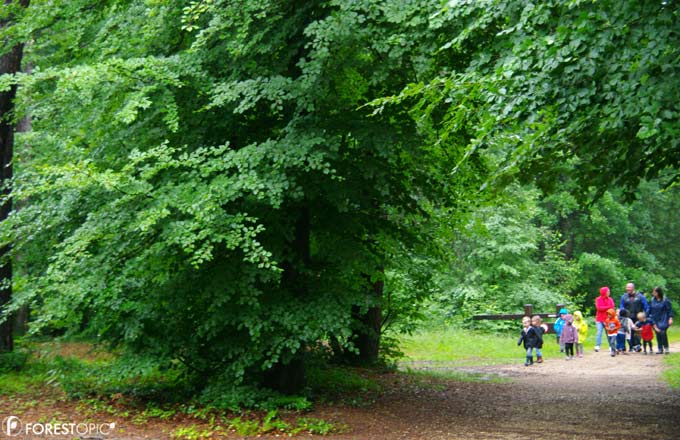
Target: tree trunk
(366, 337)
(289, 376)
(10, 63)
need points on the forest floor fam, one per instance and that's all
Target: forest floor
(595, 397)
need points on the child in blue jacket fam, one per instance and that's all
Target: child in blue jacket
(557, 326)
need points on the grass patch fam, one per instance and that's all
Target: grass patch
(192, 433)
(464, 347)
(335, 380)
(20, 382)
(350, 386)
(672, 372)
(24, 377)
(456, 375)
(270, 424)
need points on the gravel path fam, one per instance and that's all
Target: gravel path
(595, 397)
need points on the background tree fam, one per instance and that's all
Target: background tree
(10, 63)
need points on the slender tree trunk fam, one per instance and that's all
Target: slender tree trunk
(10, 63)
(23, 313)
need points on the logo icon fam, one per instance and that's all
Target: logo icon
(11, 426)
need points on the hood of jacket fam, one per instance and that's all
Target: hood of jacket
(568, 318)
(563, 311)
(604, 291)
(578, 316)
(611, 313)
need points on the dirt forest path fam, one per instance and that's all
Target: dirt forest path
(595, 397)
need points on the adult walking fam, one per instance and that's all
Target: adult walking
(661, 314)
(602, 303)
(634, 302)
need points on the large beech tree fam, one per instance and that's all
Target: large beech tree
(207, 183)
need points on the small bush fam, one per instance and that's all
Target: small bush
(191, 433)
(334, 381)
(245, 427)
(227, 396)
(133, 377)
(12, 361)
(315, 426)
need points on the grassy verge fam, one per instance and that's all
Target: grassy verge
(456, 375)
(463, 347)
(672, 372)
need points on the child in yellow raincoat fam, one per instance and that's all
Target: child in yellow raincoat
(582, 327)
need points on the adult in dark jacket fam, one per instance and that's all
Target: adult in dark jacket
(634, 302)
(661, 313)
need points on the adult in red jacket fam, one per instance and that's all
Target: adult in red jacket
(602, 303)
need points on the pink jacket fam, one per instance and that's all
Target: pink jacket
(602, 304)
(569, 335)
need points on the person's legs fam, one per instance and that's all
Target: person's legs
(664, 340)
(530, 357)
(659, 340)
(635, 342)
(621, 342)
(579, 349)
(598, 337)
(539, 355)
(612, 344)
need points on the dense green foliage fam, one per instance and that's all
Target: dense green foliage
(579, 89)
(201, 181)
(545, 250)
(229, 184)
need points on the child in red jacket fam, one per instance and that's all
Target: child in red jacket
(612, 325)
(645, 327)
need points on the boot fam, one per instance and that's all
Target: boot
(539, 359)
(529, 361)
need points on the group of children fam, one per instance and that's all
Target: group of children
(572, 330)
(620, 329)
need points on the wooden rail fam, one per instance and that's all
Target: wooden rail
(528, 311)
